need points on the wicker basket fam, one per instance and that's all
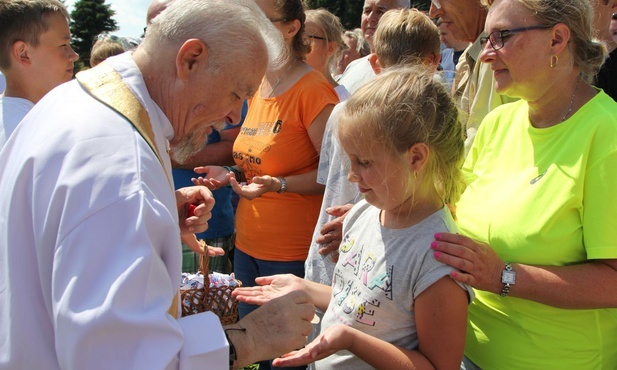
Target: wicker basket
(215, 299)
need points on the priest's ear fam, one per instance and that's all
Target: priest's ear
(192, 56)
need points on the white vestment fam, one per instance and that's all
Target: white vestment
(2, 83)
(12, 111)
(90, 254)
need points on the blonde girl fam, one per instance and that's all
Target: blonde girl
(391, 304)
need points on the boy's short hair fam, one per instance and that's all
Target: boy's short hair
(405, 36)
(24, 20)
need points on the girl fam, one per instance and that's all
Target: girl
(391, 304)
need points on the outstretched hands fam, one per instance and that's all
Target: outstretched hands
(332, 340)
(217, 176)
(258, 186)
(268, 288)
(478, 263)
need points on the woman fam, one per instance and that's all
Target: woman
(276, 155)
(325, 33)
(538, 237)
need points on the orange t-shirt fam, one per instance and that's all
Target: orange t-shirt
(274, 141)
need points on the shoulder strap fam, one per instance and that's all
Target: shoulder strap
(105, 85)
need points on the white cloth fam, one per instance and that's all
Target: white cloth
(332, 172)
(90, 254)
(342, 93)
(12, 111)
(357, 74)
(2, 83)
(447, 65)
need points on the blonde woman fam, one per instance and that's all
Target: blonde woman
(276, 155)
(537, 240)
(325, 33)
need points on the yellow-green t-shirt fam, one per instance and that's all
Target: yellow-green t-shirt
(543, 197)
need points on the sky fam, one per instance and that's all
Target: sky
(130, 15)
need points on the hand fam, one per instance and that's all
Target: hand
(334, 339)
(277, 327)
(268, 288)
(478, 263)
(258, 186)
(216, 177)
(194, 220)
(199, 246)
(332, 232)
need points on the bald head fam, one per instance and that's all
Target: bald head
(155, 8)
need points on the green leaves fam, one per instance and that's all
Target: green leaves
(88, 19)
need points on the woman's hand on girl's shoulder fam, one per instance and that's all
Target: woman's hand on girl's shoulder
(477, 262)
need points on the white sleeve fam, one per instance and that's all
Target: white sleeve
(114, 275)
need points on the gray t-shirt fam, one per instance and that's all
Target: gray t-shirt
(379, 275)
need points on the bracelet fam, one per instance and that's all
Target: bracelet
(508, 277)
(233, 355)
(283, 185)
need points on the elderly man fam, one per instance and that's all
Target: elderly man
(474, 86)
(155, 8)
(90, 242)
(360, 71)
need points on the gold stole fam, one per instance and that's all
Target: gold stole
(105, 85)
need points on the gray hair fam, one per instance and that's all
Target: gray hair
(232, 30)
(362, 45)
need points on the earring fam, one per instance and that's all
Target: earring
(554, 60)
(415, 175)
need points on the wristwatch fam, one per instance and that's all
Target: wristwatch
(508, 277)
(283, 185)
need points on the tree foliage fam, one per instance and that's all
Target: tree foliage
(89, 18)
(349, 11)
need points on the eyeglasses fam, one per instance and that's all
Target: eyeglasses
(436, 4)
(497, 38)
(274, 20)
(316, 37)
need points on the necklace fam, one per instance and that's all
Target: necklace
(571, 100)
(278, 81)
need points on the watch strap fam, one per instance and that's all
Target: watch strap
(508, 278)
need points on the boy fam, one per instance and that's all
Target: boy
(35, 56)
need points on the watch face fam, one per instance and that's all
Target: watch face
(508, 277)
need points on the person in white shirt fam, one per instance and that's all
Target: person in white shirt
(35, 56)
(90, 226)
(360, 71)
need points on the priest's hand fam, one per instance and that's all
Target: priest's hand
(194, 210)
(277, 327)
